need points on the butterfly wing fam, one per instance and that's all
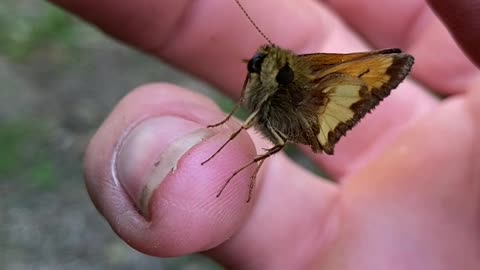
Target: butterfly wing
(350, 86)
(322, 61)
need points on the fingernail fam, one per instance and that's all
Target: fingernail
(150, 151)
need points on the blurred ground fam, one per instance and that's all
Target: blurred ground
(59, 79)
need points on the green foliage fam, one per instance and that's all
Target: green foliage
(24, 32)
(12, 136)
(42, 174)
(24, 152)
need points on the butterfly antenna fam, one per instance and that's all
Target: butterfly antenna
(253, 23)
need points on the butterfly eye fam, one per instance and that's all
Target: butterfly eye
(285, 75)
(255, 64)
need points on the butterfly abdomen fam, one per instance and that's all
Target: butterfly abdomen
(295, 120)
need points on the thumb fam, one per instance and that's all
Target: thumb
(144, 175)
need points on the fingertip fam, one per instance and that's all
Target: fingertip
(143, 172)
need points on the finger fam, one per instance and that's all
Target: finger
(462, 19)
(439, 62)
(147, 156)
(187, 35)
(292, 220)
(377, 131)
(154, 142)
(422, 195)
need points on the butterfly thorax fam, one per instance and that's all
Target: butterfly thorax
(278, 89)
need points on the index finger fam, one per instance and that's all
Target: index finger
(462, 23)
(440, 63)
(209, 39)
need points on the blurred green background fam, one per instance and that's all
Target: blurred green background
(59, 79)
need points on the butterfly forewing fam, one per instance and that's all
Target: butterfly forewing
(322, 61)
(352, 87)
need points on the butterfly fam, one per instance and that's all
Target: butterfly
(312, 99)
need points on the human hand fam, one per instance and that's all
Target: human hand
(408, 175)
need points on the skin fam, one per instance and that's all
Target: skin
(407, 190)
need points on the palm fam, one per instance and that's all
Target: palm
(419, 200)
(409, 172)
(418, 203)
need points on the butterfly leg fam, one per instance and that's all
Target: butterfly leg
(248, 123)
(281, 141)
(280, 144)
(235, 108)
(253, 180)
(261, 158)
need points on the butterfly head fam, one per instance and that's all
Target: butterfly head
(268, 70)
(272, 65)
